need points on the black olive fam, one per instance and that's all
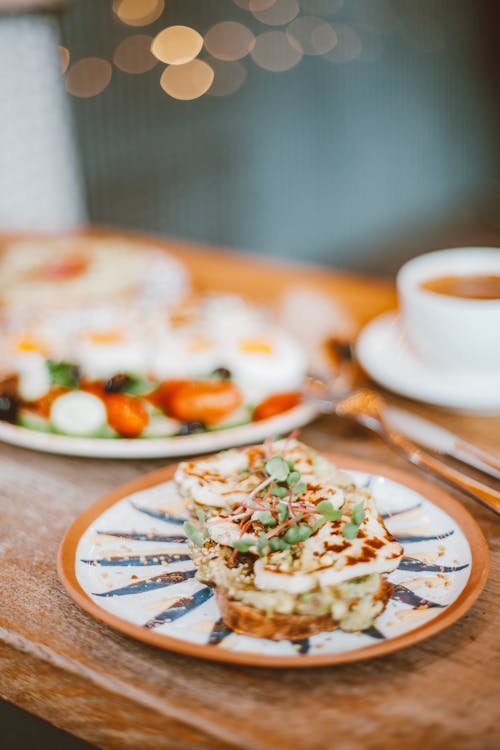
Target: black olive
(117, 383)
(9, 408)
(222, 373)
(191, 428)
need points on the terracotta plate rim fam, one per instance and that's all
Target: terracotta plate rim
(478, 575)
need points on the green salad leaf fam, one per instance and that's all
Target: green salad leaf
(63, 373)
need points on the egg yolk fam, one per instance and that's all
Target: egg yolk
(113, 336)
(30, 344)
(256, 346)
(199, 344)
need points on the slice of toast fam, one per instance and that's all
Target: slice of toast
(248, 620)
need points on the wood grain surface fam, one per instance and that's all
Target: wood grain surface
(60, 664)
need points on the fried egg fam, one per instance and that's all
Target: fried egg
(103, 352)
(271, 362)
(188, 354)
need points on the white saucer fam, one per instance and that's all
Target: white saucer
(384, 353)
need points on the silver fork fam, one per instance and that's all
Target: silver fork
(367, 407)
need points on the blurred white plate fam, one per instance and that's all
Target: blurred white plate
(205, 442)
(384, 353)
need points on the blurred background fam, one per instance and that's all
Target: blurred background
(348, 132)
(354, 133)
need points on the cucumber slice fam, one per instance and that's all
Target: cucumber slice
(161, 426)
(78, 413)
(237, 418)
(33, 421)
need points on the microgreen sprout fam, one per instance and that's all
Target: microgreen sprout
(279, 491)
(277, 468)
(328, 511)
(194, 534)
(350, 530)
(282, 511)
(358, 513)
(262, 544)
(275, 503)
(265, 517)
(244, 544)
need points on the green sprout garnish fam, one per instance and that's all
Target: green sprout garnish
(350, 530)
(279, 491)
(328, 511)
(244, 544)
(194, 534)
(275, 497)
(358, 513)
(262, 544)
(277, 468)
(276, 544)
(282, 511)
(265, 517)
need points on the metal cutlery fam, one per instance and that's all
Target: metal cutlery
(368, 408)
(423, 431)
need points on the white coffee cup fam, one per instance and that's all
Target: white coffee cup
(453, 333)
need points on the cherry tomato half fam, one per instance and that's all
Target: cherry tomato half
(126, 414)
(276, 404)
(208, 401)
(162, 396)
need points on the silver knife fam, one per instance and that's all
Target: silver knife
(436, 438)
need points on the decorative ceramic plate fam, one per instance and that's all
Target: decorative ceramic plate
(185, 445)
(125, 561)
(385, 354)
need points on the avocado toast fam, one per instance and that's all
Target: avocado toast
(290, 543)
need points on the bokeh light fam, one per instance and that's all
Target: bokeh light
(88, 77)
(229, 77)
(138, 12)
(254, 4)
(133, 54)
(273, 51)
(257, 5)
(229, 40)
(312, 35)
(177, 45)
(188, 81)
(349, 45)
(279, 13)
(63, 57)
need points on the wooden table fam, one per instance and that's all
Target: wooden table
(60, 664)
